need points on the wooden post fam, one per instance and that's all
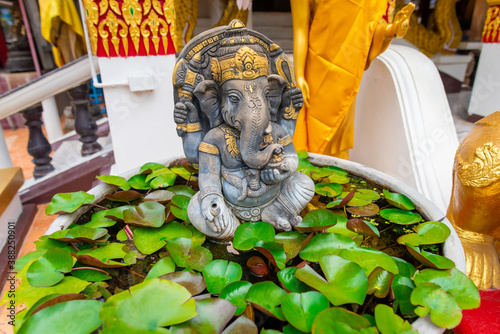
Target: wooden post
(85, 125)
(38, 146)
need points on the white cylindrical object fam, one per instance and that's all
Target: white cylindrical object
(51, 119)
(5, 161)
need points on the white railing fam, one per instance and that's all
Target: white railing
(42, 90)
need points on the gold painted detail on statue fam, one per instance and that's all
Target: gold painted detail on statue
(289, 112)
(287, 140)
(484, 168)
(281, 62)
(194, 127)
(190, 77)
(246, 64)
(208, 148)
(232, 145)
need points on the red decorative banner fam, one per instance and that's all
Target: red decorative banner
(491, 30)
(128, 28)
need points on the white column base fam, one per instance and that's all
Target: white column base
(5, 161)
(51, 119)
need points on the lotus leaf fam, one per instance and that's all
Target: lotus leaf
(379, 282)
(266, 297)
(139, 182)
(292, 243)
(368, 210)
(402, 288)
(290, 282)
(401, 217)
(135, 311)
(338, 320)
(274, 252)
(345, 281)
(68, 202)
(188, 256)
(427, 234)
(247, 234)
(182, 190)
(145, 214)
(325, 244)
(328, 189)
(178, 207)
(390, 323)
(432, 260)
(236, 293)
(430, 298)
(50, 268)
(124, 196)
(399, 201)
(162, 267)
(362, 227)
(300, 309)
(369, 259)
(90, 274)
(113, 180)
(242, 325)
(150, 167)
(193, 282)
(161, 178)
(454, 282)
(84, 315)
(80, 234)
(149, 240)
(160, 196)
(317, 220)
(220, 273)
(117, 213)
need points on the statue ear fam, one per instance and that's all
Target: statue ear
(207, 93)
(276, 86)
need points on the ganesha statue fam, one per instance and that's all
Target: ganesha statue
(236, 107)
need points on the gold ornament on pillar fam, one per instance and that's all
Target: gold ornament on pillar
(491, 30)
(475, 200)
(132, 14)
(113, 23)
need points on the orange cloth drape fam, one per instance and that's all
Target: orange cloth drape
(339, 41)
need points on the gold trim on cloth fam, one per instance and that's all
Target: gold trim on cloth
(208, 148)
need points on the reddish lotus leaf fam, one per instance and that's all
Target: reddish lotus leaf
(343, 202)
(92, 261)
(364, 211)
(257, 266)
(362, 227)
(124, 196)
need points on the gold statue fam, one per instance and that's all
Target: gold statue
(333, 42)
(475, 200)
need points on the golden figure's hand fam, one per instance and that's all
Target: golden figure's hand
(302, 84)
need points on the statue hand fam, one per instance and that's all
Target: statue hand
(185, 112)
(271, 175)
(294, 96)
(215, 212)
(304, 87)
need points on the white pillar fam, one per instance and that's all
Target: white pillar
(5, 161)
(485, 98)
(51, 119)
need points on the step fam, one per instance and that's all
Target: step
(276, 19)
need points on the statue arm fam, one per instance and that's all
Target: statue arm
(301, 18)
(188, 128)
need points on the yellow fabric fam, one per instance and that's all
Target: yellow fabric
(61, 26)
(339, 41)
